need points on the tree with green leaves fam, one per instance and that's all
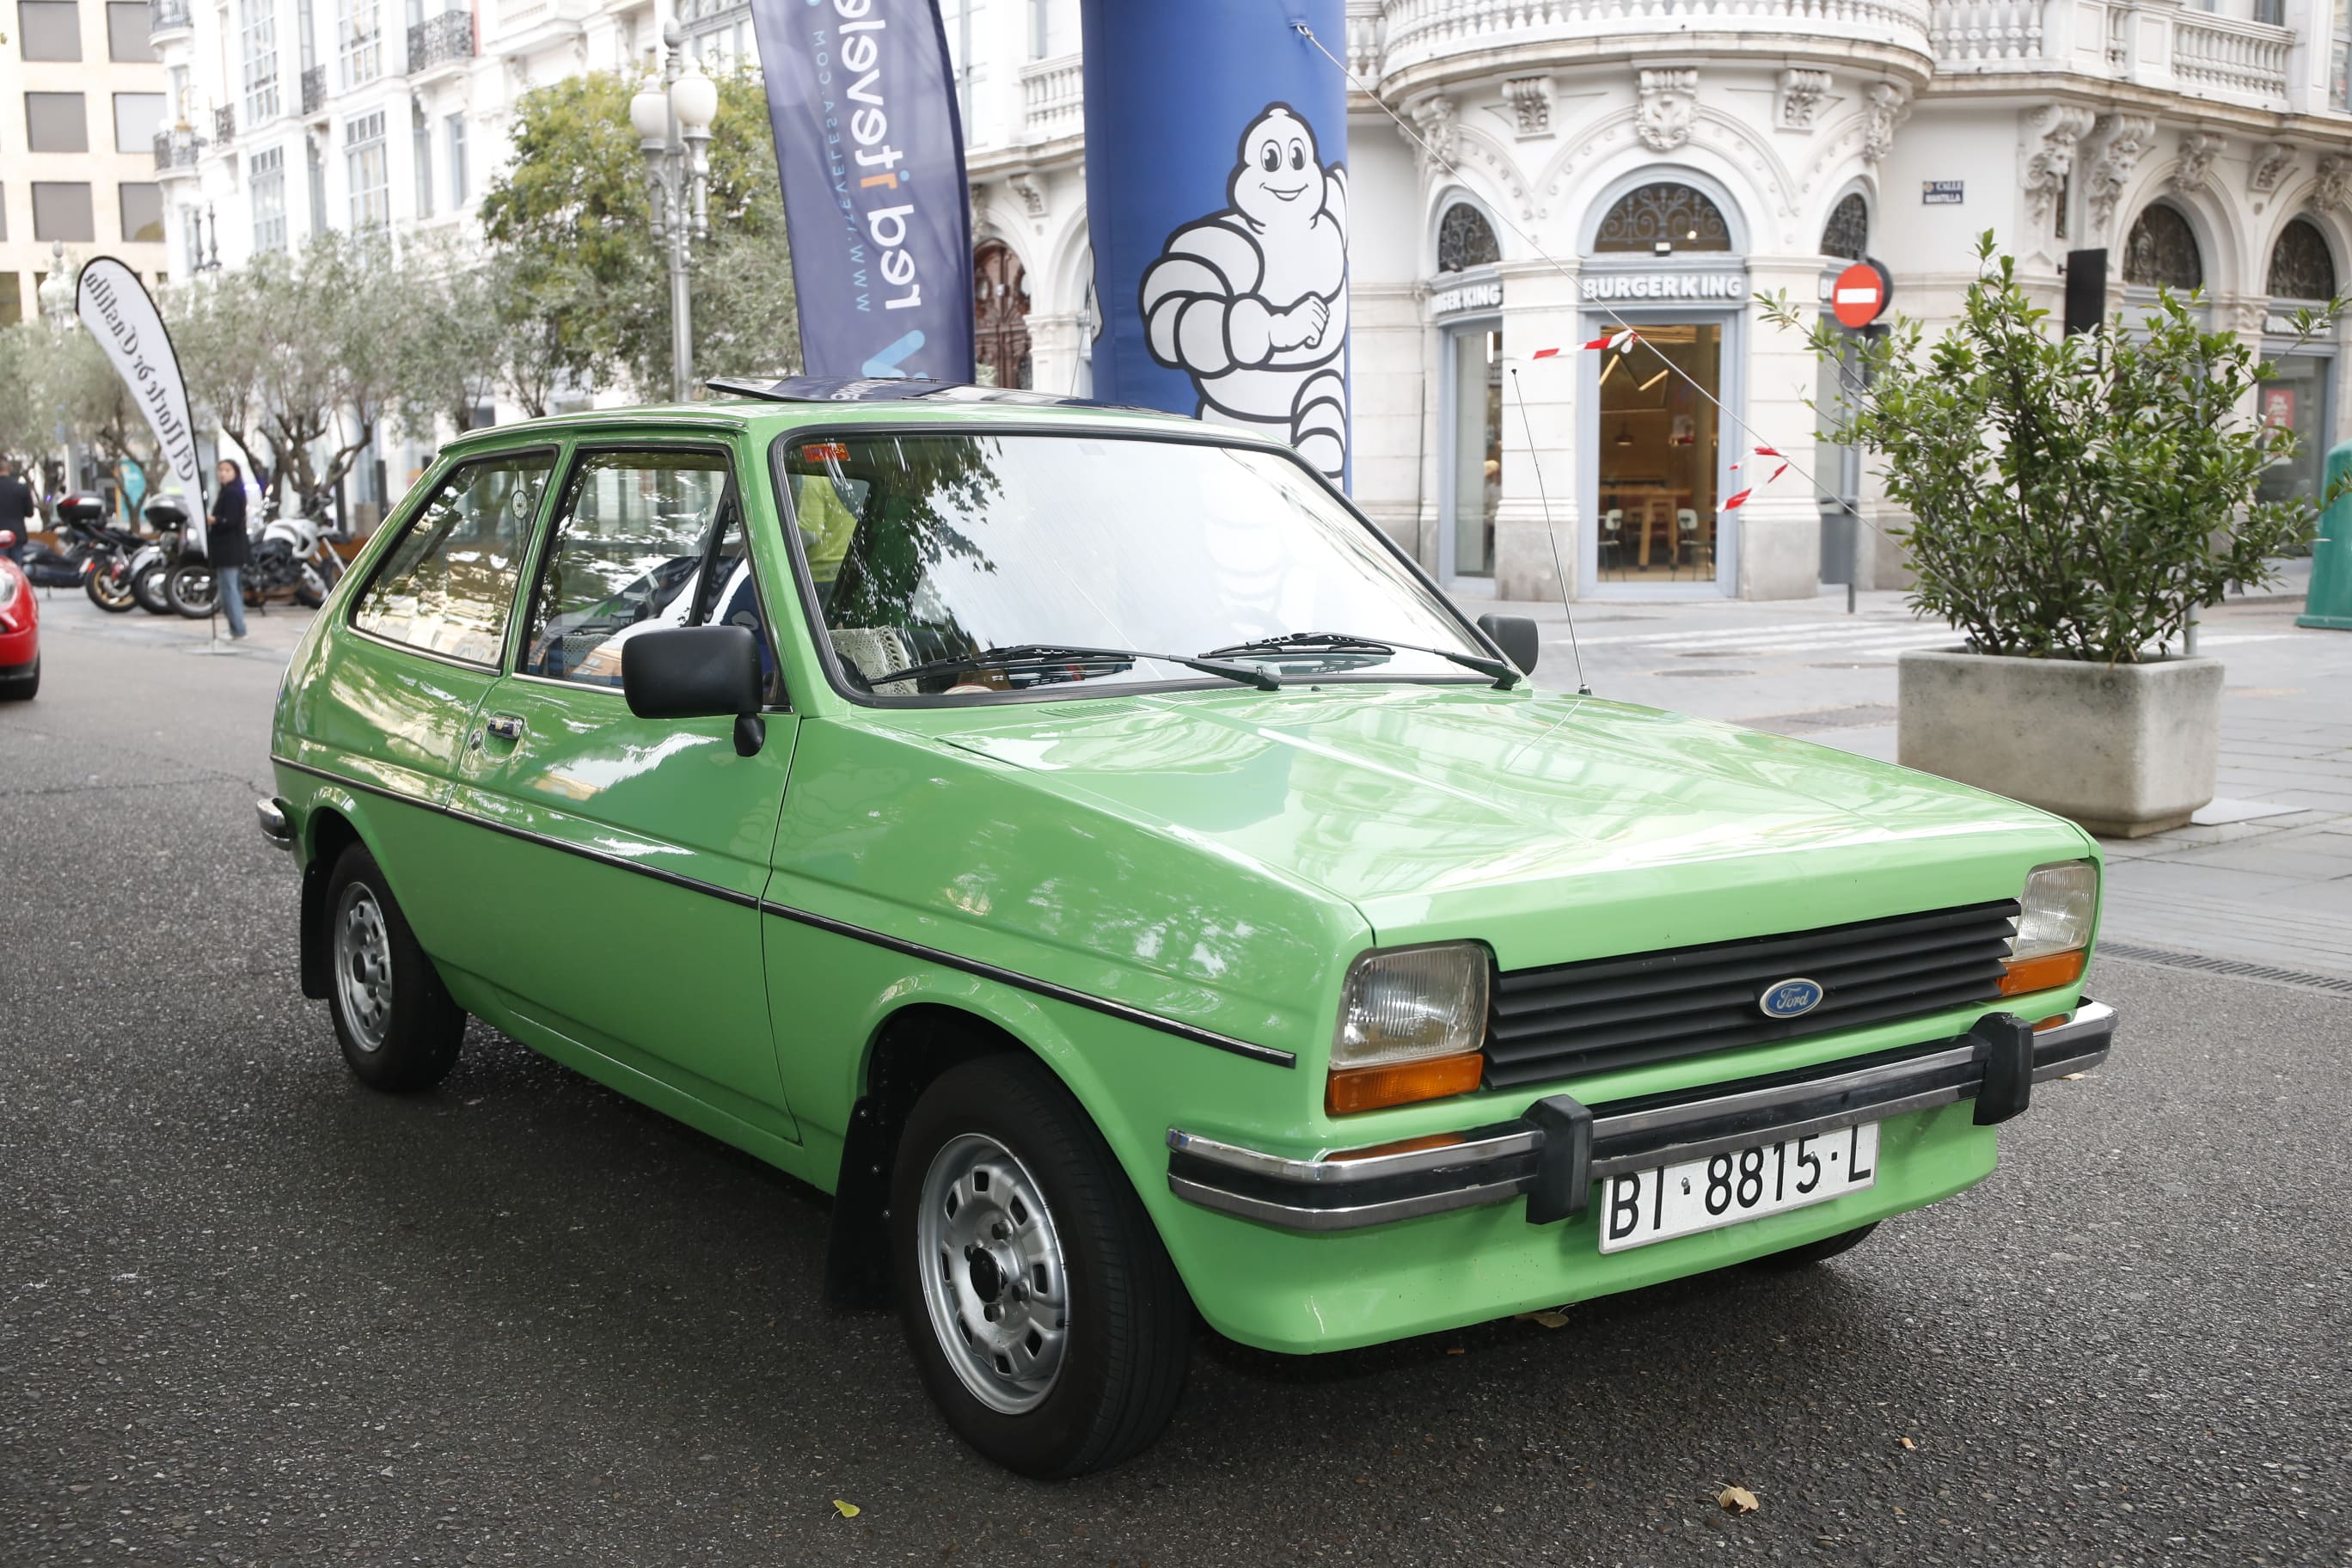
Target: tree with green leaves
(297, 355)
(570, 234)
(446, 357)
(27, 422)
(2071, 496)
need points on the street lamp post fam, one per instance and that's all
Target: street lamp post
(57, 302)
(673, 126)
(57, 288)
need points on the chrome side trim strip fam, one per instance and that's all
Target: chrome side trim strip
(944, 959)
(1290, 1218)
(1341, 1173)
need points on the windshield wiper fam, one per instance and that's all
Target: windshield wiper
(1046, 656)
(1503, 675)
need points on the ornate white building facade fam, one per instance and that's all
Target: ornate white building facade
(1575, 167)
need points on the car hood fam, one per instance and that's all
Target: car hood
(1552, 827)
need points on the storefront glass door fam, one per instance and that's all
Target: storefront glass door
(2297, 399)
(1658, 458)
(1473, 479)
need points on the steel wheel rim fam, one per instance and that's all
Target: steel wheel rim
(363, 966)
(993, 1279)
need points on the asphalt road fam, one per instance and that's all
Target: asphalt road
(250, 1312)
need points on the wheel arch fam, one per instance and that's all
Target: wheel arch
(907, 1051)
(328, 829)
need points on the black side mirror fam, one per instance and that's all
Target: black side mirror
(697, 672)
(1517, 636)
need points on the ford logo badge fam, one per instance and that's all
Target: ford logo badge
(1789, 998)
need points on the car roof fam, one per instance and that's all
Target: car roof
(804, 403)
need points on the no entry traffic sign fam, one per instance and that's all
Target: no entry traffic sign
(1860, 293)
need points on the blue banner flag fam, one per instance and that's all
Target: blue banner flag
(870, 150)
(1217, 198)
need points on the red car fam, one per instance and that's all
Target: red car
(20, 634)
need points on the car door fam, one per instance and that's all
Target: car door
(395, 697)
(618, 883)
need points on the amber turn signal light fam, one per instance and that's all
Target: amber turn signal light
(1369, 1089)
(2051, 970)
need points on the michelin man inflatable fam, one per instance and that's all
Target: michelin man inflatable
(1252, 302)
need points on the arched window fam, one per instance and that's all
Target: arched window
(1000, 315)
(1663, 213)
(1465, 240)
(1847, 233)
(2302, 267)
(2161, 251)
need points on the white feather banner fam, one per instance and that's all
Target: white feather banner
(121, 315)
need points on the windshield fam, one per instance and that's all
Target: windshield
(929, 554)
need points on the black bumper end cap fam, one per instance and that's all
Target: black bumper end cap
(1563, 1184)
(2007, 1042)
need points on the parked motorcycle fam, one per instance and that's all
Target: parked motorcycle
(293, 553)
(151, 569)
(91, 552)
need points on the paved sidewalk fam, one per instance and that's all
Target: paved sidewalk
(2262, 877)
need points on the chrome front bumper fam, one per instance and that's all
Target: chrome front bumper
(277, 822)
(1560, 1148)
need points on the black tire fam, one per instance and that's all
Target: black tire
(412, 1040)
(193, 591)
(147, 587)
(1814, 1252)
(25, 687)
(1124, 1317)
(108, 586)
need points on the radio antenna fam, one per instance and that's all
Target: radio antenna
(1559, 573)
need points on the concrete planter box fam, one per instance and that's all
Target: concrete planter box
(2125, 750)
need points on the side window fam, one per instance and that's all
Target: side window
(447, 585)
(642, 541)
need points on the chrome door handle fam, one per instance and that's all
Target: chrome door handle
(505, 726)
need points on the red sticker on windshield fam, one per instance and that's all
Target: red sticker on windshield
(824, 452)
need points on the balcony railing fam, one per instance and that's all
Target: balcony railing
(1051, 93)
(438, 40)
(1366, 31)
(314, 88)
(1416, 32)
(176, 151)
(224, 124)
(2184, 51)
(167, 16)
(2229, 58)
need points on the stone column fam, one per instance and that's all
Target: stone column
(1054, 342)
(1539, 311)
(1781, 525)
(1388, 395)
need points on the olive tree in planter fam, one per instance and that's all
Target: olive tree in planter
(2072, 501)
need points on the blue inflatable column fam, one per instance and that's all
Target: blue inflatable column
(1217, 201)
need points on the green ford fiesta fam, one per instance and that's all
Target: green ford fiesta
(1079, 842)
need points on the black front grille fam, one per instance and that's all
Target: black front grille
(1608, 1012)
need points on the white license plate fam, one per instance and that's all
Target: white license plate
(1745, 1183)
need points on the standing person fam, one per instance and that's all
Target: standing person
(229, 547)
(15, 512)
